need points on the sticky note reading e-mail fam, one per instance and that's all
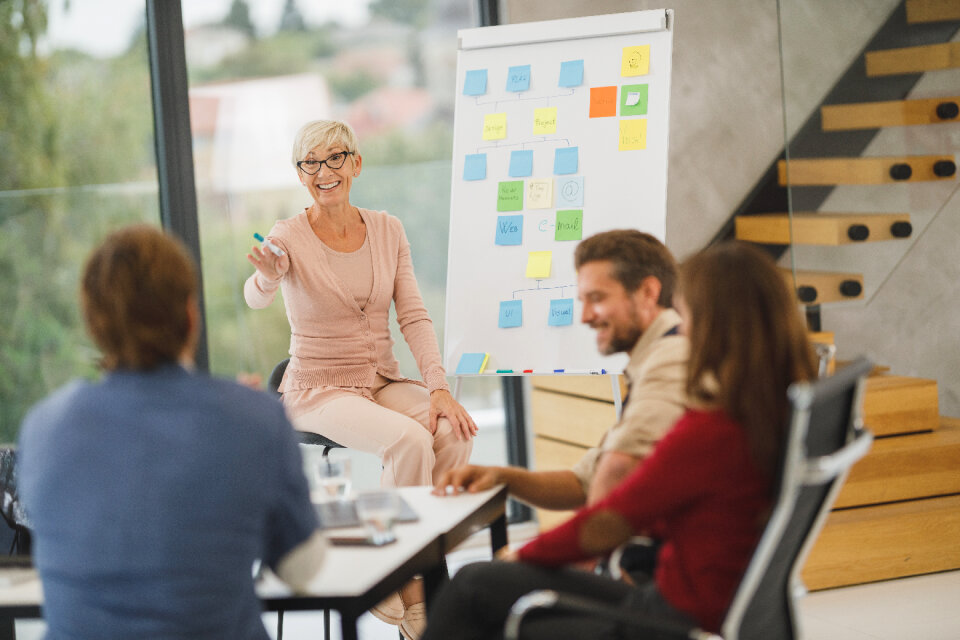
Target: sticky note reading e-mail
(538, 264)
(472, 363)
(495, 126)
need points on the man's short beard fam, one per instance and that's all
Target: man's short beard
(623, 340)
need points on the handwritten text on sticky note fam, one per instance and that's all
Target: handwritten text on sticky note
(510, 196)
(633, 134)
(561, 312)
(540, 194)
(635, 61)
(570, 191)
(495, 126)
(545, 120)
(511, 314)
(509, 230)
(569, 225)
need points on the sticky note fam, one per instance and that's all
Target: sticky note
(540, 194)
(636, 61)
(511, 314)
(521, 164)
(538, 264)
(518, 78)
(475, 82)
(495, 126)
(545, 120)
(510, 196)
(633, 100)
(633, 134)
(570, 191)
(571, 73)
(569, 225)
(472, 363)
(509, 230)
(561, 312)
(565, 160)
(475, 166)
(603, 102)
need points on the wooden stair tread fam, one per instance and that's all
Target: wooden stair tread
(819, 287)
(816, 228)
(900, 404)
(869, 170)
(892, 113)
(928, 57)
(919, 11)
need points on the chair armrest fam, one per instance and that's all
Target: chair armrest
(613, 563)
(549, 599)
(825, 468)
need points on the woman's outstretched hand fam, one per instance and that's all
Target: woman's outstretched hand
(272, 267)
(443, 405)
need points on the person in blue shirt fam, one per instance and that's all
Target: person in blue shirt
(152, 492)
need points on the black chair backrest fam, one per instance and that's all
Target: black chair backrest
(305, 437)
(276, 376)
(825, 438)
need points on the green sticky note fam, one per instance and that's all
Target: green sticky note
(633, 100)
(510, 196)
(569, 224)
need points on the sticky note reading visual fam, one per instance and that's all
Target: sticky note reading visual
(538, 264)
(569, 225)
(571, 73)
(603, 102)
(518, 78)
(521, 164)
(495, 126)
(565, 160)
(561, 312)
(475, 166)
(472, 363)
(509, 230)
(510, 196)
(475, 82)
(636, 61)
(633, 100)
(545, 120)
(511, 314)
(570, 192)
(633, 134)
(540, 194)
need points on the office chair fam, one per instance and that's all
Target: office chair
(306, 437)
(825, 438)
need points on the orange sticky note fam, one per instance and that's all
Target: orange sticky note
(633, 134)
(636, 61)
(603, 102)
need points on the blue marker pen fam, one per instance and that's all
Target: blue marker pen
(277, 251)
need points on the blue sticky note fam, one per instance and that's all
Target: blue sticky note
(518, 78)
(565, 161)
(569, 192)
(475, 166)
(471, 363)
(571, 73)
(475, 84)
(521, 164)
(509, 230)
(511, 314)
(561, 312)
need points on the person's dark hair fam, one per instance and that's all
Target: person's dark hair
(747, 341)
(634, 255)
(134, 295)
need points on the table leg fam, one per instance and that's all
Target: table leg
(498, 533)
(348, 626)
(433, 580)
(8, 629)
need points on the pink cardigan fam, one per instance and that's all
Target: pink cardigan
(333, 341)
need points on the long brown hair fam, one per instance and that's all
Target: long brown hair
(747, 341)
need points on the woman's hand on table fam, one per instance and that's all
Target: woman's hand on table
(442, 405)
(270, 266)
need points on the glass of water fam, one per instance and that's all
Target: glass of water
(378, 511)
(331, 478)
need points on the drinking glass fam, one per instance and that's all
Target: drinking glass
(378, 511)
(331, 479)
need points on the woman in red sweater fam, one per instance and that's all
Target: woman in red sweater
(704, 492)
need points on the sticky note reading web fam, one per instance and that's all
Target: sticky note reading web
(538, 264)
(635, 61)
(603, 102)
(511, 314)
(521, 164)
(570, 191)
(633, 134)
(571, 73)
(495, 126)
(518, 78)
(569, 225)
(561, 312)
(475, 166)
(540, 194)
(545, 120)
(472, 363)
(509, 230)
(510, 196)
(475, 82)
(633, 100)
(565, 160)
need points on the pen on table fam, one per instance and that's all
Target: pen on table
(277, 251)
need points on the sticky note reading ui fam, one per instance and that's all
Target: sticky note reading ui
(545, 120)
(511, 314)
(472, 363)
(518, 78)
(509, 230)
(570, 192)
(565, 160)
(475, 83)
(540, 194)
(561, 312)
(569, 225)
(633, 100)
(571, 73)
(633, 134)
(495, 126)
(603, 102)
(636, 61)
(521, 164)
(538, 264)
(510, 196)
(475, 166)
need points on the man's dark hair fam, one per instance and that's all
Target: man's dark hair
(635, 255)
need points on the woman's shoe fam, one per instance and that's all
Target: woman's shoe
(390, 610)
(414, 621)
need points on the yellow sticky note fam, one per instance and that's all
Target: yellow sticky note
(540, 194)
(545, 120)
(538, 264)
(633, 134)
(495, 126)
(636, 61)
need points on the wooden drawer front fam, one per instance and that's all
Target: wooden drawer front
(550, 455)
(569, 418)
(596, 387)
(896, 404)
